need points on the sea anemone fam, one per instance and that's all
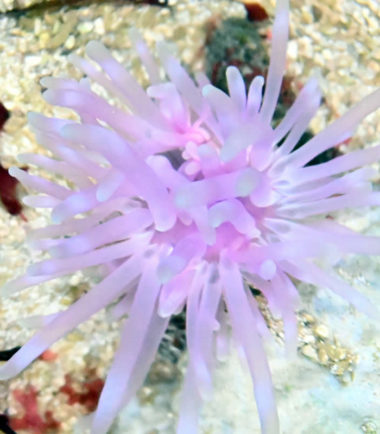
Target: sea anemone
(188, 198)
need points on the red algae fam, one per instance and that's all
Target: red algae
(48, 356)
(88, 398)
(8, 184)
(32, 421)
(8, 192)
(255, 12)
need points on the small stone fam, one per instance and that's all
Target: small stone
(292, 50)
(309, 352)
(321, 331)
(308, 339)
(307, 16)
(307, 318)
(339, 368)
(99, 27)
(163, 371)
(70, 42)
(335, 353)
(75, 336)
(323, 356)
(146, 395)
(341, 353)
(44, 39)
(85, 27)
(66, 301)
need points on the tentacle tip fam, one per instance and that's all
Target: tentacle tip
(14, 171)
(227, 153)
(56, 219)
(165, 223)
(232, 71)
(49, 96)
(102, 195)
(27, 201)
(163, 311)
(207, 90)
(46, 81)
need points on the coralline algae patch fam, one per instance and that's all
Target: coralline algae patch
(31, 420)
(47, 396)
(63, 385)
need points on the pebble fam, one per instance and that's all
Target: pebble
(85, 27)
(70, 42)
(309, 352)
(146, 395)
(335, 353)
(323, 356)
(163, 371)
(321, 331)
(339, 368)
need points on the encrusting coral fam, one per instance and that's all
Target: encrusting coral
(186, 200)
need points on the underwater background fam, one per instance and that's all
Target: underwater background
(333, 385)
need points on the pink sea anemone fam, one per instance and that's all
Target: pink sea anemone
(186, 199)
